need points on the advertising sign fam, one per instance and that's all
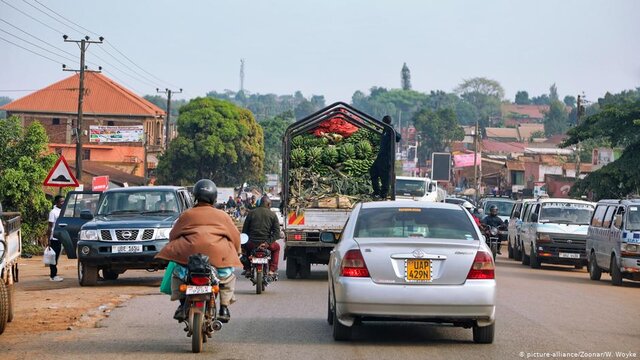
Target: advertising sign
(441, 167)
(114, 134)
(465, 160)
(100, 183)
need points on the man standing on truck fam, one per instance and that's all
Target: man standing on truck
(54, 243)
(380, 169)
(263, 228)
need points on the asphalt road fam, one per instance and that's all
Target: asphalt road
(554, 309)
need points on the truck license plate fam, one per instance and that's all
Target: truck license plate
(418, 270)
(569, 255)
(195, 290)
(126, 249)
(260, 260)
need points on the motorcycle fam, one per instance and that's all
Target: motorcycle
(201, 287)
(259, 258)
(491, 232)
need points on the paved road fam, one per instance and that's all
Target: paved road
(552, 309)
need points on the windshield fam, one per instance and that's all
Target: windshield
(566, 213)
(415, 222)
(414, 188)
(504, 207)
(275, 203)
(633, 219)
(143, 202)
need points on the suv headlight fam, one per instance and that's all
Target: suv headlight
(163, 233)
(88, 235)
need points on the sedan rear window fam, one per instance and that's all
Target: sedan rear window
(415, 222)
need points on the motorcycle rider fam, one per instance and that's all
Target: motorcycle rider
(467, 205)
(263, 228)
(206, 230)
(493, 220)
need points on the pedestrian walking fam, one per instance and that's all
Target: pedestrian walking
(54, 243)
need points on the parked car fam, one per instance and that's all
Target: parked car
(514, 227)
(411, 261)
(554, 231)
(129, 228)
(613, 240)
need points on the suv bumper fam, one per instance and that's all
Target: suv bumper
(99, 254)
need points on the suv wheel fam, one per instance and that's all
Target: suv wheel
(616, 275)
(594, 270)
(87, 275)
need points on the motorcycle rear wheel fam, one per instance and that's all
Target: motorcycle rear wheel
(198, 332)
(259, 281)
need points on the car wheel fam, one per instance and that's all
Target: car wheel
(292, 268)
(616, 275)
(484, 334)
(595, 273)
(110, 275)
(305, 269)
(329, 312)
(509, 250)
(340, 332)
(87, 275)
(525, 258)
(534, 262)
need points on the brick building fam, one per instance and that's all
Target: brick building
(109, 108)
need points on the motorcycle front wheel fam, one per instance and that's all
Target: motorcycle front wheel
(196, 337)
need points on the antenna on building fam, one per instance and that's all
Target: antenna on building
(242, 75)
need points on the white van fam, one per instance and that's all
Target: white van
(613, 240)
(419, 188)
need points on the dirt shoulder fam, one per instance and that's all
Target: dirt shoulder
(42, 305)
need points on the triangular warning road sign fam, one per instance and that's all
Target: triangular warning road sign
(60, 175)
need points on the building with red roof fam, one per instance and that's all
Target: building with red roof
(119, 128)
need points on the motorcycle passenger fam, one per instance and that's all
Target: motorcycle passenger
(467, 205)
(493, 220)
(263, 228)
(206, 230)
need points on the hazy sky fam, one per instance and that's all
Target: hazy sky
(333, 48)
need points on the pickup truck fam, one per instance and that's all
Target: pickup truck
(131, 225)
(10, 249)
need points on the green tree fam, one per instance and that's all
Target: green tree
(618, 123)
(24, 164)
(485, 95)
(541, 100)
(274, 130)
(522, 98)
(437, 129)
(405, 75)
(216, 140)
(569, 101)
(556, 120)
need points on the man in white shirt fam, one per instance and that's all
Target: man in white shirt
(54, 243)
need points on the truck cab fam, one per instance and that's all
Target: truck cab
(419, 189)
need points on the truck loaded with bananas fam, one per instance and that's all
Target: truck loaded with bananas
(326, 162)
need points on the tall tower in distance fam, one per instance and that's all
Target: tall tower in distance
(241, 75)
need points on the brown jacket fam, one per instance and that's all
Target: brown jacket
(205, 230)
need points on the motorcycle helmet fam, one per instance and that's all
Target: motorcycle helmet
(493, 210)
(206, 191)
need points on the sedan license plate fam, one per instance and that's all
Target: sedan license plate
(195, 290)
(126, 249)
(418, 270)
(260, 260)
(569, 255)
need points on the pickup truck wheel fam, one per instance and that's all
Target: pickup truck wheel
(4, 306)
(595, 273)
(525, 259)
(87, 275)
(616, 275)
(292, 267)
(12, 300)
(110, 275)
(305, 269)
(533, 259)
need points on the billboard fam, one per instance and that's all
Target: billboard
(441, 167)
(465, 160)
(115, 134)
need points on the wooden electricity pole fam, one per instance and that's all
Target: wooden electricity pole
(167, 119)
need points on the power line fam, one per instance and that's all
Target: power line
(40, 10)
(81, 27)
(32, 44)
(128, 68)
(29, 50)
(37, 38)
(31, 17)
(126, 57)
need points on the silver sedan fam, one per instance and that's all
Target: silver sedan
(412, 261)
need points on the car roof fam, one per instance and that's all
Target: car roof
(620, 201)
(411, 178)
(574, 201)
(146, 188)
(504, 199)
(409, 203)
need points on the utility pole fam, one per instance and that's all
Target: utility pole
(579, 112)
(168, 117)
(83, 44)
(475, 160)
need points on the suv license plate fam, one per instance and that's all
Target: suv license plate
(569, 255)
(418, 270)
(259, 260)
(126, 249)
(195, 290)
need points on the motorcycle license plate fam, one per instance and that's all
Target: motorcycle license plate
(569, 255)
(418, 270)
(195, 290)
(126, 249)
(260, 261)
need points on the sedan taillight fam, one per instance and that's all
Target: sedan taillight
(483, 267)
(353, 265)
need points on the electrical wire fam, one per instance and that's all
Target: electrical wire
(79, 26)
(31, 17)
(29, 50)
(40, 10)
(36, 45)
(126, 57)
(128, 68)
(37, 38)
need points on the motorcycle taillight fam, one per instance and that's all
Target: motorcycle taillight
(200, 280)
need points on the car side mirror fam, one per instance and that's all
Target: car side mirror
(86, 215)
(328, 237)
(244, 238)
(506, 222)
